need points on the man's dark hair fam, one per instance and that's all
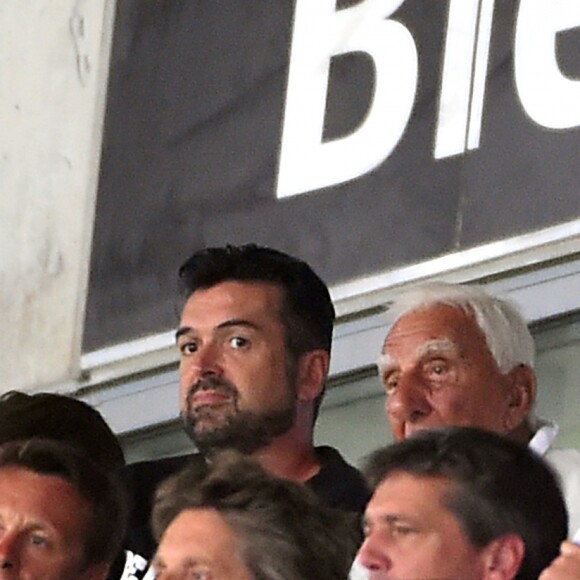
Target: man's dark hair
(62, 418)
(97, 486)
(284, 532)
(307, 314)
(500, 487)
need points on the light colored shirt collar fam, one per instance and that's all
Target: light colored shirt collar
(358, 571)
(546, 432)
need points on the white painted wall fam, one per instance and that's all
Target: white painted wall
(54, 58)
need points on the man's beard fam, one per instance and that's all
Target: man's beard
(231, 428)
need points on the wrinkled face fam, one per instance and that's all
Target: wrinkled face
(236, 387)
(43, 524)
(438, 372)
(199, 544)
(411, 535)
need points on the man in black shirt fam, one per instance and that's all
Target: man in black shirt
(254, 342)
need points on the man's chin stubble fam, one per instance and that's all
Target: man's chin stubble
(243, 432)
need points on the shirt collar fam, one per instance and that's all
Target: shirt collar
(546, 432)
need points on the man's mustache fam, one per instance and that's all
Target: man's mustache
(212, 383)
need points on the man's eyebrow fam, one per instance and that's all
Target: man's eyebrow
(43, 526)
(38, 523)
(438, 346)
(225, 324)
(182, 330)
(384, 362)
(385, 518)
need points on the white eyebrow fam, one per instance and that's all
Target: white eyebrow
(435, 347)
(384, 362)
(431, 347)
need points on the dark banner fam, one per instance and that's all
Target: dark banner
(360, 136)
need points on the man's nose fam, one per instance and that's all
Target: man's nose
(9, 551)
(407, 401)
(372, 556)
(208, 360)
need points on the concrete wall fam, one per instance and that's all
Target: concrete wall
(54, 58)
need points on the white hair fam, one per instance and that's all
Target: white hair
(506, 332)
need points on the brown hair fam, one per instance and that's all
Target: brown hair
(284, 532)
(96, 485)
(59, 417)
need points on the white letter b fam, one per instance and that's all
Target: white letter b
(320, 32)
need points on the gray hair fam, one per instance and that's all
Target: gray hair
(506, 332)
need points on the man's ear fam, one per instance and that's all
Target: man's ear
(522, 395)
(312, 372)
(503, 557)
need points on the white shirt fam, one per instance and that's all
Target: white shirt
(566, 464)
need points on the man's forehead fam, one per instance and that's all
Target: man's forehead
(438, 320)
(392, 496)
(237, 297)
(232, 300)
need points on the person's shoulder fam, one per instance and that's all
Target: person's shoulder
(338, 483)
(566, 464)
(163, 466)
(143, 477)
(564, 457)
(331, 458)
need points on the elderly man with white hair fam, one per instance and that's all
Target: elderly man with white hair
(457, 356)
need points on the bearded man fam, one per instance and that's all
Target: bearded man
(254, 342)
